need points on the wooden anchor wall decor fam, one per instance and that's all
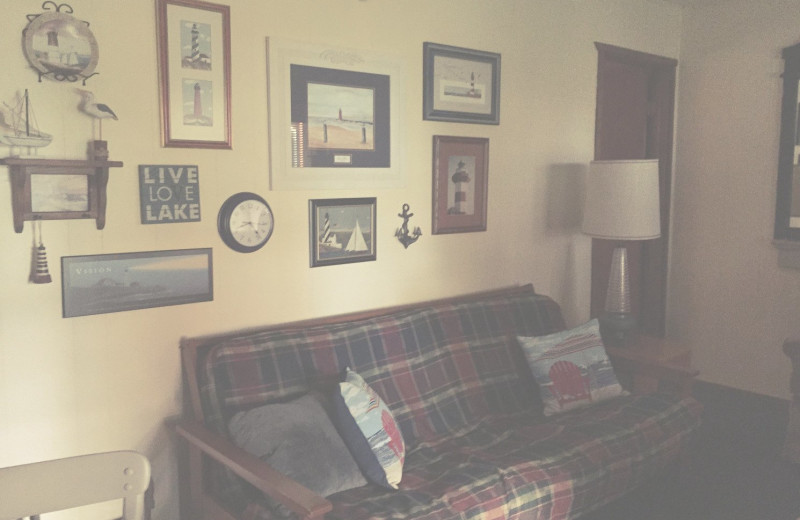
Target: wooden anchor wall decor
(57, 189)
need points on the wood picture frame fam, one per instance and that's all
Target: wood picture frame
(342, 231)
(194, 56)
(356, 95)
(460, 184)
(98, 284)
(460, 85)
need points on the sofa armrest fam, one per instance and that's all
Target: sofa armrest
(644, 374)
(297, 498)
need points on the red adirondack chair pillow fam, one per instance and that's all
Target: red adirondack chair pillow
(571, 368)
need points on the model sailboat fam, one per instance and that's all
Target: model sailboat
(24, 131)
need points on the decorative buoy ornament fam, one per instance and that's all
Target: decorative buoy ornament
(39, 271)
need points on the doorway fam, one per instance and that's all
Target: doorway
(634, 120)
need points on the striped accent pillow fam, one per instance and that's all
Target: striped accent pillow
(369, 430)
(571, 368)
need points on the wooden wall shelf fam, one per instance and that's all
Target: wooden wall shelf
(56, 189)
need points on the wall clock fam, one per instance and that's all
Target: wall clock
(245, 222)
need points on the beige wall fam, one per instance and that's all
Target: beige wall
(70, 386)
(728, 296)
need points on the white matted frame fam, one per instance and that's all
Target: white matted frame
(194, 54)
(293, 66)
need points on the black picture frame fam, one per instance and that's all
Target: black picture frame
(460, 85)
(370, 143)
(342, 231)
(99, 284)
(787, 199)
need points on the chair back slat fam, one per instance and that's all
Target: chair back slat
(55, 485)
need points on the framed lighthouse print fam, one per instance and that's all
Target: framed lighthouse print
(460, 184)
(194, 56)
(334, 116)
(342, 231)
(460, 85)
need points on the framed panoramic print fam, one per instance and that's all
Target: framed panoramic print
(194, 55)
(334, 117)
(342, 231)
(460, 184)
(460, 85)
(97, 284)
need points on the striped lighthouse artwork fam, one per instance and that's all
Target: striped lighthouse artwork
(196, 45)
(197, 91)
(460, 189)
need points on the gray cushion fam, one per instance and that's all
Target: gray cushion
(298, 439)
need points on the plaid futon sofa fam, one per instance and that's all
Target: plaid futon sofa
(455, 378)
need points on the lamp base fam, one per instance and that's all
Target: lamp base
(617, 328)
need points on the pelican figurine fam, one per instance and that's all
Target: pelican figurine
(98, 111)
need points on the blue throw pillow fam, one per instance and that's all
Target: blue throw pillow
(369, 430)
(571, 368)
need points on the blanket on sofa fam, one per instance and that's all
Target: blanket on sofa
(458, 385)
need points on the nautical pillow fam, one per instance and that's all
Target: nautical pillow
(369, 430)
(571, 368)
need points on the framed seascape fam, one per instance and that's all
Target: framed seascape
(334, 117)
(97, 284)
(460, 85)
(342, 231)
(460, 184)
(194, 55)
(340, 118)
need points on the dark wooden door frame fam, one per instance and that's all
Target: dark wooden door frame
(649, 259)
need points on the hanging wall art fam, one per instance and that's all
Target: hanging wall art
(59, 46)
(194, 55)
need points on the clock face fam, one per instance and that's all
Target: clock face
(245, 222)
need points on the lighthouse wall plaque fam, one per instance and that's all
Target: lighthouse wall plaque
(59, 46)
(194, 59)
(460, 182)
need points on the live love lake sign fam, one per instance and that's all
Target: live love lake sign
(169, 193)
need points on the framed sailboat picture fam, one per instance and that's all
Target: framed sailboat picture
(342, 231)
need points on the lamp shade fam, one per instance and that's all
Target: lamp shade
(622, 200)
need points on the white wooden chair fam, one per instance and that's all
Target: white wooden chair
(54, 485)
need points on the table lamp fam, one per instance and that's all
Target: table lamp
(622, 203)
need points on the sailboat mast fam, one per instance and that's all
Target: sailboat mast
(27, 116)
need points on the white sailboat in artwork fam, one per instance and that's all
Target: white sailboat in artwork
(356, 242)
(23, 130)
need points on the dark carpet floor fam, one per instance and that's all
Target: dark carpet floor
(735, 472)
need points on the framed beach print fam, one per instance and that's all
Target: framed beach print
(342, 231)
(194, 58)
(96, 284)
(460, 85)
(334, 117)
(460, 184)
